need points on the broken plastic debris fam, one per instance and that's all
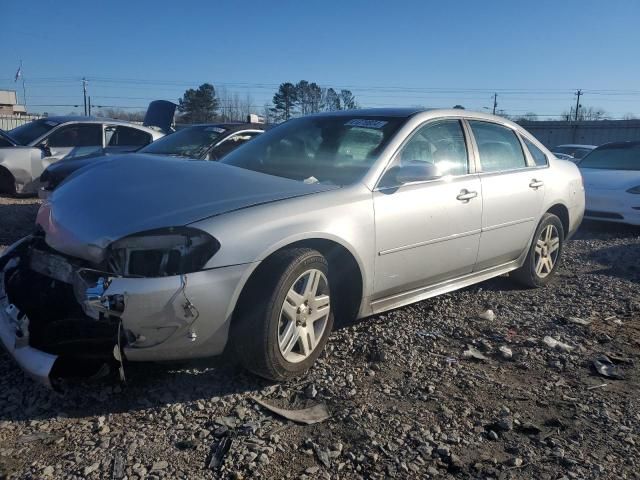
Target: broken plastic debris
(218, 453)
(311, 180)
(316, 414)
(472, 352)
(487, 315)
(557, 344)
(593, 387)
(579, 321)
(605, 367)
(506, 352)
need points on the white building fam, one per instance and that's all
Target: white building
(9, 103)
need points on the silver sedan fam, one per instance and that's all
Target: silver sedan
(338, 215)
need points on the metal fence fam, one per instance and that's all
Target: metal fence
(597, 132)
(7, 122)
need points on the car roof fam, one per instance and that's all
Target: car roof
(375, 112)
(230, 125)
(60, 119)
(627, 144)
(575, 145)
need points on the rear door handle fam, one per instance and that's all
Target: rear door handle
(535, 184)
(465, 195)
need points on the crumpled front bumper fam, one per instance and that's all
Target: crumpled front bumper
(37, 364)
(166, 318)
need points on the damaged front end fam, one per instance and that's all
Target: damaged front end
(62, 316)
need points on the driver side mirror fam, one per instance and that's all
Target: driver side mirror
(416, 172)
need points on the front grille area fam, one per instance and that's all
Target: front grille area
(597, 214)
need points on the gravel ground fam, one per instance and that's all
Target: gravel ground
(404, 398)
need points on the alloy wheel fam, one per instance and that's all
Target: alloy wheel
(304, 316)
(546, 251)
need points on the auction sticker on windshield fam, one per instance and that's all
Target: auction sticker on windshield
(365, 123)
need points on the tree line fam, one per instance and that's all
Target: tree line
(306, 97)
(206, 104)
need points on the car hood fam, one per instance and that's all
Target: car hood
(136, 193)
(57, 172)
(610, 179)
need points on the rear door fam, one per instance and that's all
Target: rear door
(428, 232)
(512, 193)
(123, 139)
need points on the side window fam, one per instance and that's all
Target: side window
(77, 136)
(498, 146)
(538, 155)
(5, 143)
(440, 143)
(126, 137)
(231, 143)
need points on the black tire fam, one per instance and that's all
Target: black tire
(255, 329)
(527, 275)
(7, 182)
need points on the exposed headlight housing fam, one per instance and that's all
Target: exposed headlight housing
(634, 190)
(160, 253)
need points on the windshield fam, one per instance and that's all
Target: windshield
(619, 157)
(191, 142)
(27, 133)
(575, 152)
(336, 150)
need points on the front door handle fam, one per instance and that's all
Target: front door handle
(535, 184)
(465, 195)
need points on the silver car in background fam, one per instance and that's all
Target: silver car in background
(343, 214)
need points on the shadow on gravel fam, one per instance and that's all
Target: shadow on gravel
(593, 230)
(621, 261)
(149, 386)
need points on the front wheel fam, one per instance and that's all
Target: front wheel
(286, 316)
(544, 254)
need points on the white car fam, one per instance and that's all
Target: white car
(574, 152)
(36, 145)
(611, 176)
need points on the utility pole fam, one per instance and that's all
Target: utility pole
(89, 105)
(84, 92)
(495, 102)
(578, 94)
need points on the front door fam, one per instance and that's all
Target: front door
(429, 231)
(72, 141)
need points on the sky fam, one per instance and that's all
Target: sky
(533, 54)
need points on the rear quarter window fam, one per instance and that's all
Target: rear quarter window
(538, 155)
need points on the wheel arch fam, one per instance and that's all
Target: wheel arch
(562, 212)
(6, 176)
(341, 259)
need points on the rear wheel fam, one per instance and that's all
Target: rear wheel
(544, 254)
(286, 316)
